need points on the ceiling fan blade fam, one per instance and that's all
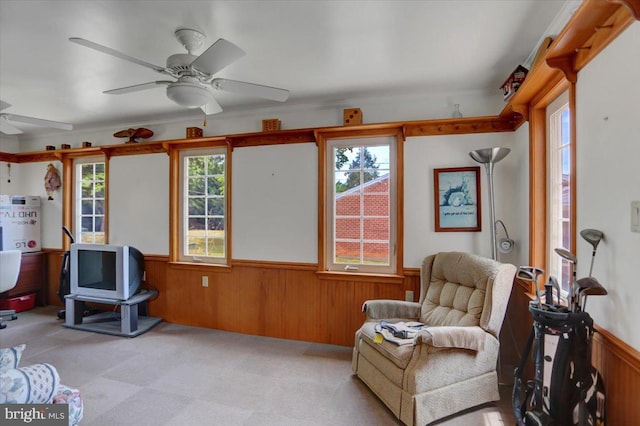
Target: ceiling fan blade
(112, 52)
(7, 128)
(250, 89)
(136, 87)
(4, 105)
(38, 121)
(217, 56)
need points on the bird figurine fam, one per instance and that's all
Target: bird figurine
(52, 180)
(134, 134)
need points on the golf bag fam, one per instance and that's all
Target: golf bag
(566, 389)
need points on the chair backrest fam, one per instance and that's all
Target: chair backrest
(462, 289)
(9, 269)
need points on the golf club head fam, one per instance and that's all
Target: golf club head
(592, 236)
(566, 254)
(529, 273)
(590, 286)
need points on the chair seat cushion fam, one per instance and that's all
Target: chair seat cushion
(399, 355)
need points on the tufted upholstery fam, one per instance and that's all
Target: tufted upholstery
(452, 365)
(35, 384)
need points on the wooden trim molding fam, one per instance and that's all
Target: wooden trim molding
(592, 27)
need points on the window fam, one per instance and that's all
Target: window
(559, 189)
(203, 227)
(361, 205)
(90, 204)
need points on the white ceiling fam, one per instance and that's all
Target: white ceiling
(322, 51)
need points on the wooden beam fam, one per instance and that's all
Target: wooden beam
(458, 126)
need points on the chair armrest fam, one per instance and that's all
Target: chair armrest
(454, 337)
(34, 384)
(386, 309)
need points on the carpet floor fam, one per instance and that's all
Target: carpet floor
(177, 375)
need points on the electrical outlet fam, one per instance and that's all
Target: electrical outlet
(408, 295)
(205, 281)
(144, 276)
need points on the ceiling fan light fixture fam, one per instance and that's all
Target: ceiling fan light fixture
(190, 95)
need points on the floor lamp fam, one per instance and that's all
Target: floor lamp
(488, 157)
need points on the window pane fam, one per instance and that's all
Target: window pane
(87, 171)
(87, 189)
(87, 224)
(215, 224)
(99, 224)
(99, 188)
(196, 186)
(100, 171)
(359, 204)
(196, 206)
(205, 198)
(215, 165)
(215, 206)
(376, 205)
(347, 228)
(215, 246)
(196, 245)
(87, 207)
(376, 229)
(347, 252)
(99, 207)
(195, 166)
(377, 253)
(215, 185)
(348, 205)
(196, 224)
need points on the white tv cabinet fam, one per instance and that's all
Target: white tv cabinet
(128, 323)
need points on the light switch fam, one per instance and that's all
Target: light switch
(635, 216)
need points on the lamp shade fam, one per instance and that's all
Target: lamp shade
(190, 95)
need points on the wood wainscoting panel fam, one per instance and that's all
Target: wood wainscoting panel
(53, 266)
(262, 298)
(619, 365)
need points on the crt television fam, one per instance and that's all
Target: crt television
(105, 270)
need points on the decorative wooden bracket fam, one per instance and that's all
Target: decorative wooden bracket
(566, 65)
(633, 5)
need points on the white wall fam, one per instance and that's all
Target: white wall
(275, 203)
(422, 155)
(519, 179)
(139, 202)
(608, 150)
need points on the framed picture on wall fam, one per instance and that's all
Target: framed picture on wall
(457, 199)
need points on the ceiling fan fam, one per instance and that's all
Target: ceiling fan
(9, 129)
(194, 86)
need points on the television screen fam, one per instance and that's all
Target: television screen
(97, 269)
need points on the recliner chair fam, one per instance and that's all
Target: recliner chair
(9, 272)
(452, 364)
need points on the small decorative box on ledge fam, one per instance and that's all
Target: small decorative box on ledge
(194, 132)
(352, 116)
(270, 125)
(511, 84)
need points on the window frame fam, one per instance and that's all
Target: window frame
(177, 199)
(326, 140)
(76, 200)
(538, 173)
(556, 219)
